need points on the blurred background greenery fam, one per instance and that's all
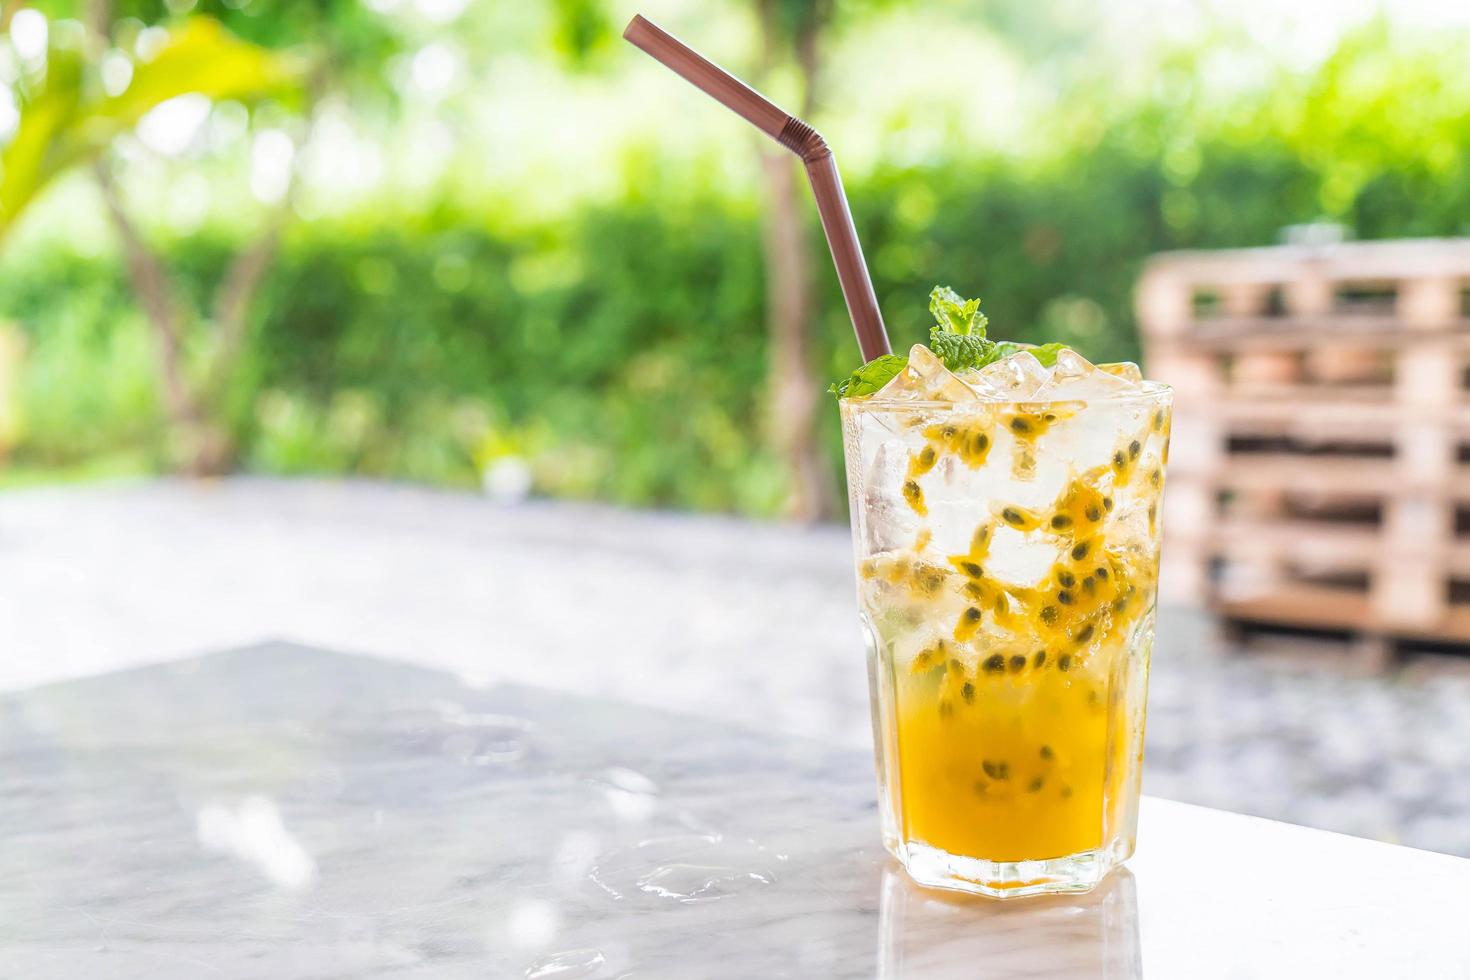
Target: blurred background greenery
(465, 241)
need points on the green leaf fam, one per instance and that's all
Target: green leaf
(1046, 353)
(958, 335)
(199, 58)
(871, 377)
(955, 315)
(960, 351)
(60, 127)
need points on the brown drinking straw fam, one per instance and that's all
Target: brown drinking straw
(799, 138)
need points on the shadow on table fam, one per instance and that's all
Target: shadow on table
(927, 933)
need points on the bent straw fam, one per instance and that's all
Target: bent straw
(799, 138)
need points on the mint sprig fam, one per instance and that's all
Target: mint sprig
(955, 315)
(958, 335)
(957, 339)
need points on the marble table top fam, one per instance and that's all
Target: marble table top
(284, 812)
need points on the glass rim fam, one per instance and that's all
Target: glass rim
(1149, 391)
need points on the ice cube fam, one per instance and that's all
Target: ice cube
(1076, 377)
(1126, 370)
(925, 378)
(1015, 378)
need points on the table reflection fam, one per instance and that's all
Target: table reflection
(927, 933)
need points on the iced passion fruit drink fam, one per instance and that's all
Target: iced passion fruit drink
(1005, 513)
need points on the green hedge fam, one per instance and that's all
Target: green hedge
(622, 351)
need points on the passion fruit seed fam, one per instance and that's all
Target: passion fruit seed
(971, 615)
(1061, 521)
(1156, 478)
(1134, 448)
(1012, 516)
(948, 432)
(1047, 753)
(1119, 460)
(979, 443)
(995, 663)
(996, 770)
(971, 569)
(956, 668)
(1079, 551)
(1020, 425)
(1035, 785)
(1066, 579)
(1018, 662)
(1101, 572)
(1085, 634)
(1108, 504)
(1064, 597)
(1038, 661)
(1093, 514)
(930, 580)
(1049, 615)
(968, 692)
(945, 709)
(914, 495)
(1064, 662)
(1159, 420)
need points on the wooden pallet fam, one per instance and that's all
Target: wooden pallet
(1321, 433)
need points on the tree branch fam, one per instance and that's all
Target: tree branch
(155, 294)
(232, 300)
(236, 292)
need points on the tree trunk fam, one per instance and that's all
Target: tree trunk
(204, 445)
(204, 448)
(793, 395)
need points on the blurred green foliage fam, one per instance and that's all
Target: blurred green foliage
(67, 119)
(620, 351)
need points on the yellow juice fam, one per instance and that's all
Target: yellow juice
(1020, 773)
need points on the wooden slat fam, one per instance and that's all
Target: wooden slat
(1228, 334)
(1354, 262)
(1349, 547)
(1336, 609)
(1363, 414)
(1345, 477)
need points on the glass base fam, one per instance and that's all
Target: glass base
(1074, 873)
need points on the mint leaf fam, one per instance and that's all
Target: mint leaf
(870, 377)
(955, 315)
(958, 335)
(1046, 353)
(960, 351)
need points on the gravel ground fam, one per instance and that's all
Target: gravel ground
(751, 622)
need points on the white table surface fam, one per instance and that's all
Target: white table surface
(284, 812)
(1208, 895)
